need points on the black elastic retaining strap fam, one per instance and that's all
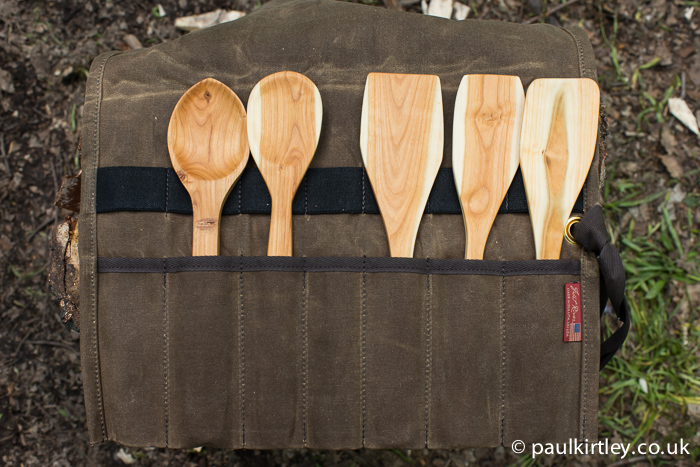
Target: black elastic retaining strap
(591, 233)
(323, 191)
(338, 264)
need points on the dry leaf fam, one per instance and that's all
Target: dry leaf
(125, 457)
(205, 20)
(694, 411)
(6, 82)
(461, 11)
(668, 141)
(441, 8)
(672, 165)
(133, 42)
(688, 13)
(682, 112)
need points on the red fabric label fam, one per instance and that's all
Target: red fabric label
(572, 322)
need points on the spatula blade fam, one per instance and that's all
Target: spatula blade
(485, 150)
(401, 140)
(558, 140)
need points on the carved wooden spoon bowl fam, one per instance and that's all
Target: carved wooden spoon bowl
(209, 150)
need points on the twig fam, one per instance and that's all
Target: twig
(682, 96)
(550, 12)
(625, 93)
(19, 346)
(5, 158)
(393, 5)
(48, 221)
(520, 12)
(54, 344)
(55, 177)
(631, 460)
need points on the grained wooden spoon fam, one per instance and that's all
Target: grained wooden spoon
(401, 140)
(485, 150)
(559, 133)
(209, 150)
(284, 125)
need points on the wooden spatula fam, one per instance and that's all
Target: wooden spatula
(284, 125)
(559, 132)
(209, 150)
(485, 150)
(401, 140)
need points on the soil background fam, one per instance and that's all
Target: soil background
(46, 48)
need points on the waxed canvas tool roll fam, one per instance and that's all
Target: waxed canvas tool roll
(339, 346)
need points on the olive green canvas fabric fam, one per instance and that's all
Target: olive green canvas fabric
(408, 353)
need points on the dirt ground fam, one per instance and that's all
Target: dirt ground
(647, 51)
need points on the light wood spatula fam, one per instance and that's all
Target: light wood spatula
(559, 132)
(485, 150)
(284, 125)
(401, 140)
(209, 150)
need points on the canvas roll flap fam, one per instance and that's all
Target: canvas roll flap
(253, 353)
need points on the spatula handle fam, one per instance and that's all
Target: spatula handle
(280, 241)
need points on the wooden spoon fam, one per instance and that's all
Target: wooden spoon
(401, 140)
(485, 150)
(284, 124)
(209, 150)
(560, 126)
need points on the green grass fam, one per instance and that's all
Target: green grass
(646, 389)
(649, 104)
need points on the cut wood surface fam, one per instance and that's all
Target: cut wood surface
(485, 150)
(209, 150)
(401, 140)
(559, 133)
(284, 125)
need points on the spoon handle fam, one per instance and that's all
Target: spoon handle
(280, 241)
(206, 211)
(205, 241)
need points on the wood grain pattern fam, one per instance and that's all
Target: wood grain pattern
(284, 125)
(559, 133)
(401, 140)
(209, 150)
(485, 150)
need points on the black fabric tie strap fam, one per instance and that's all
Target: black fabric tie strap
(591, 233)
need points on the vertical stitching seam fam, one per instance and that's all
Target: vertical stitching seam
(585, 363)
(92, 234)
(363, 347)
(579, 49)
(363, 190)
(240, 195)
(93, 304)
(306, 195)
(503, 355)
(428, 349)
(167, 190)
(241, 348)
(304, 356)
(166, 361)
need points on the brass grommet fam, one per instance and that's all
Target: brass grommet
(567, 231)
